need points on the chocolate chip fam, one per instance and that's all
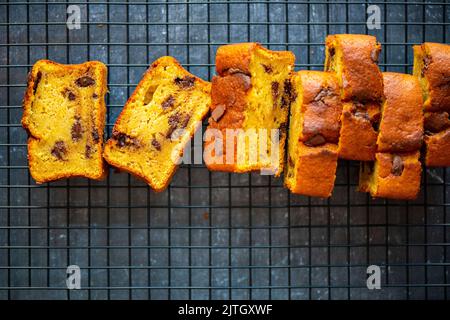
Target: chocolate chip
(324, 92)
(267, 69)
(361, 114)
(245, 80)
(36, 81)
(177, 121)
(275, 92)
(426, 63)
(87, 151)
(77, 129)
(124, 139)
(291, 162)
(284, 102)
(94, 96)
(397, 165)
(235, 70)
(71, 96)
(168, 102)
(185, 82)
(121, 139)
(360, 110)
(283, 128)
(59, 150)
(315, 141)
(289, 94)
(331, 51)
(218, 112)
(374, 54)
(174, 119)
(436, 121)
(289, 91)
(95, 136)
(376, 125)
(85, 81)
(156, 144)
(329, 63)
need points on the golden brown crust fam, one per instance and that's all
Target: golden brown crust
(437, 149)
(321, 106)
(358, 136)
(361, 77)
(435, 68)
(401, 126)
(112, 142)
(398, 183)
(228, 92)
(235, 57)
(99, 117)
(316, 170)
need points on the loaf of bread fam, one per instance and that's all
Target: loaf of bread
(64, 115)
(354, 60)
(157, 122)
(432, 67)
(397, 169)
(314, 125)
(250, 103)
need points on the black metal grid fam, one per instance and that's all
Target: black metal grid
(210, 235)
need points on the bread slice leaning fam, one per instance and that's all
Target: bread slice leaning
(157, 122)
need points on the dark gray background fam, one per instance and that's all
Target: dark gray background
(210, 235)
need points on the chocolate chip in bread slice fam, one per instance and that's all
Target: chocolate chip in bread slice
(432, 68)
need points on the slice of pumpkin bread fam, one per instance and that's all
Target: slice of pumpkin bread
(432, 67)
(354, 60)
(158, 120)
(313, 134)
(64, 114)
(250, 104)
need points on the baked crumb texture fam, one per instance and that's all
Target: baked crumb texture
(252, 91)
(64, 115)
(314, 125)
(157, 122)
(354, 60)
(396, 171)
(432, 68)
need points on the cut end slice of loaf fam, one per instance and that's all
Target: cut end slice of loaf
(64, 115)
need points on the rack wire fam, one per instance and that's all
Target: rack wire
(210, 235)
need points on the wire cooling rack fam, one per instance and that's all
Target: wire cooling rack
(211, 235)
